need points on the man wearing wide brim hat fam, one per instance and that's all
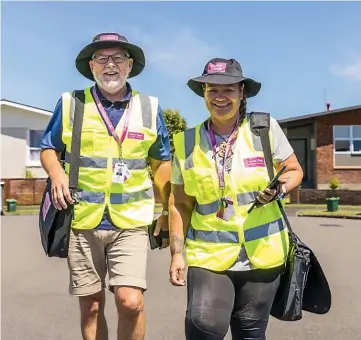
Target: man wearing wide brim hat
(106, 41)
(121, 128)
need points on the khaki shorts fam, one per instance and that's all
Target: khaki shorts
(93, 253)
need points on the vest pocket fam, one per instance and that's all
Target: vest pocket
(200, 183)
(87, 141)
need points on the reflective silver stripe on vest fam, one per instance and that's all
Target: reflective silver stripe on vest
(232, 236)
(146, 106)
(189, 143)
(246, 197)
(264, 230)
(131, 197)
(91, 197)
(99, 197)
(210, 208)
(101, 162)
(206, 209)
(72, 109)
(212, 236)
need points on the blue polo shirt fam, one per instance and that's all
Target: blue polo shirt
(160, 150)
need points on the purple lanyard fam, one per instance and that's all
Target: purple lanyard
(109, 124)
(230, 142)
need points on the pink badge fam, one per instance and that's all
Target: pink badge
(217, 67)
(136, 135)
(108, 37)
(254, 162)
(46, 205)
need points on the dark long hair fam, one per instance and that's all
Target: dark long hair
(243, 108)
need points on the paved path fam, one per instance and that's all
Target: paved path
(36, 306)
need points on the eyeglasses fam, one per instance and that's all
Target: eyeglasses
(103, 58)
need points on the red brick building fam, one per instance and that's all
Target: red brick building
(328, 145)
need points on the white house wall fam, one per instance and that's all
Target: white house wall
(15, 124)
(13, 152)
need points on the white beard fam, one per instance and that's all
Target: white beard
(112, 86)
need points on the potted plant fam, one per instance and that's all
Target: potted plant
(333, 201)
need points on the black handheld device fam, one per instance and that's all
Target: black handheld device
(156, 241)
(271, 185)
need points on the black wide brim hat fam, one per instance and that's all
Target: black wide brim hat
(109, 40)
(224, 72)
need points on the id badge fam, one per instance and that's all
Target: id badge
(229, 209)
(121, 172)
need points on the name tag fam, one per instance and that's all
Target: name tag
(120, 173)
(136, 135)
(254, 162)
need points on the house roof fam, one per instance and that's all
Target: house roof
(318, 114)
(25, 107)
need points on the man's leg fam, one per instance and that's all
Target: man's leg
(131, 318)
(87, 265)
(127, 262)
(92, 317)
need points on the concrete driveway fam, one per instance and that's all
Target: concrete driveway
(36, 306)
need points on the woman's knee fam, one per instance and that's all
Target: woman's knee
(206, 324)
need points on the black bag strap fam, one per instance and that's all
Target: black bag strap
(74, 155)
(260, 126)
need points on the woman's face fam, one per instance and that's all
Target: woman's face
(223, 101)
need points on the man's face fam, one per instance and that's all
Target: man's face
(110, 68)
(223, 101)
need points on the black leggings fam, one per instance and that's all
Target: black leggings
(241, 300)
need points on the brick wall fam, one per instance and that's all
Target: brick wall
(314, 196)
(27, 191)
(324, 150)
(30, 191)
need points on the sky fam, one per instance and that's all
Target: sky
(301, 52)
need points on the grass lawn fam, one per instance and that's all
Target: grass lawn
(341, 213)
(323, 206)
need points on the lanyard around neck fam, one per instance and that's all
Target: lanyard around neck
(232, 138)
(109, 124)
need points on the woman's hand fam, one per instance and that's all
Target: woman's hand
(268, 195)
(176, 271)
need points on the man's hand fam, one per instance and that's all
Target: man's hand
(162, 225)
(176, 271)
(60, 189)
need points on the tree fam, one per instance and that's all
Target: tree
(175, 123)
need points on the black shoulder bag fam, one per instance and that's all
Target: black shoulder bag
(303, 284)
(54, 225)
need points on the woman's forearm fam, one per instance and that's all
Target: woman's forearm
(293, 175)
(292, 179)
(180, 213)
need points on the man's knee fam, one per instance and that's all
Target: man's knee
(91, 305)
(129, 301)
(206, 321)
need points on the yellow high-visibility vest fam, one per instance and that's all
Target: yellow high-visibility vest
(214, 243)
(129, 204)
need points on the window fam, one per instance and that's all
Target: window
(34, 139)
(347, 146)
(347, 139)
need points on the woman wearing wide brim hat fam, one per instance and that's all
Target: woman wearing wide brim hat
(223, 72)
(234, 258)
(109, 40)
